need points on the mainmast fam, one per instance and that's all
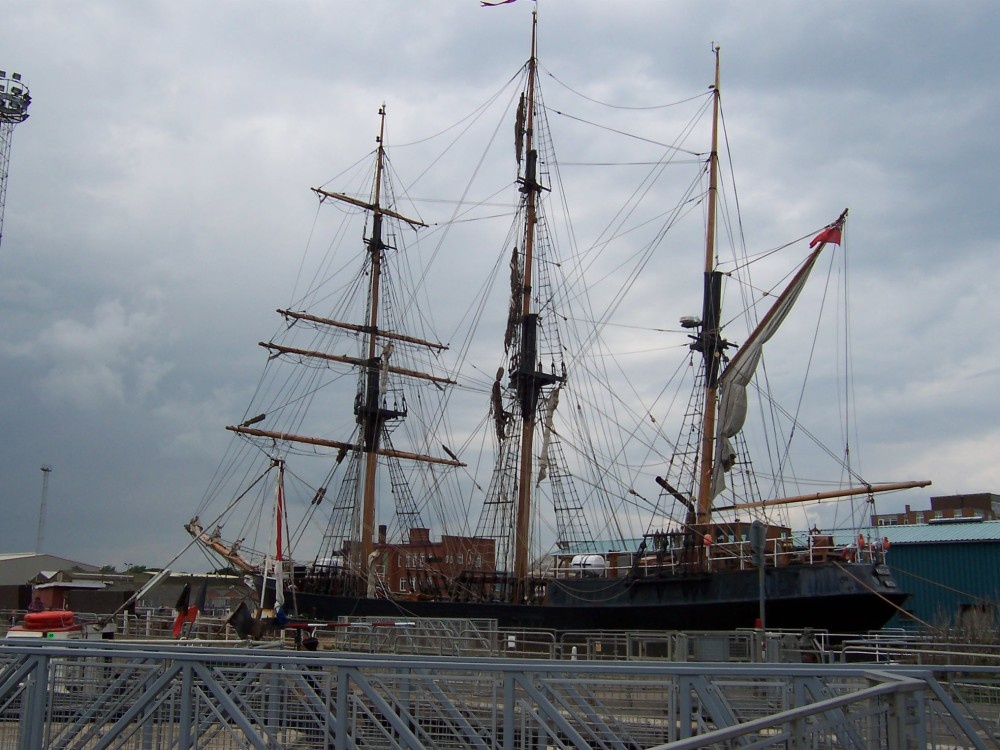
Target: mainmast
(527, 378)
(710, 342)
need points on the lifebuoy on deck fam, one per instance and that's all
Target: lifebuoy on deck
(59, 618)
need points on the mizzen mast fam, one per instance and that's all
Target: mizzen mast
(709, 341)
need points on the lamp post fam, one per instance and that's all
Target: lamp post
(46, 470)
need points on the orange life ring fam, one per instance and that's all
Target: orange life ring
(59, 618)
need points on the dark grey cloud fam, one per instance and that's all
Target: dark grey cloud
(157, 209)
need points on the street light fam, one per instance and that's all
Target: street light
(46, 470)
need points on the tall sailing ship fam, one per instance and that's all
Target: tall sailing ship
(705, 558)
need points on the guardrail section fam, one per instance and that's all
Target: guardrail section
(119, 695)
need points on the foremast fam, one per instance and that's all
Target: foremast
(372, 413)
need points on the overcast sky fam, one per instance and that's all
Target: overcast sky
(158, 196)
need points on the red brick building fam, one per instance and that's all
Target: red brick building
(982, 505)
(425, 566)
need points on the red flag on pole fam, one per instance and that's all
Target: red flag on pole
(830, 234)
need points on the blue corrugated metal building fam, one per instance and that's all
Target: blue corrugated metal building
(949, 568)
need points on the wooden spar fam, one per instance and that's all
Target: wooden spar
(531, 190)
(216, 545)
(704, 509)
(683, 500)
(323, 442)
(370, 206)
(280, 519)
(361, 329)
(270, 346)
(829, 494)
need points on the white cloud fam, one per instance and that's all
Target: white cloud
(89, 364)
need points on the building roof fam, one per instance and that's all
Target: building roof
(953, 531)
(17, 568)
(7, 556)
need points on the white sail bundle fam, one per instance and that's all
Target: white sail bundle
(737, 376)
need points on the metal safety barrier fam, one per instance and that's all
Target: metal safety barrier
(112, 694)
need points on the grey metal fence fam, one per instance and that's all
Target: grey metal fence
(121, 695)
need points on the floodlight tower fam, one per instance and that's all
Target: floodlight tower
(14, 101)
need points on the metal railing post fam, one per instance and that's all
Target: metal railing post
(508, 710)
(185, 739)
(36, 697)
(340, 720)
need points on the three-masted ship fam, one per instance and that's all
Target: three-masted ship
(699, 573)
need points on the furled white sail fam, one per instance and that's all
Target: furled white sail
(384, 377)
(734, 379)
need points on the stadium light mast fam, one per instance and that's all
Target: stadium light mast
(14, 101)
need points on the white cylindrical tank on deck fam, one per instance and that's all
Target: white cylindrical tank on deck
(589, 565)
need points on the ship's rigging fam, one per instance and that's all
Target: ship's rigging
(573, 440)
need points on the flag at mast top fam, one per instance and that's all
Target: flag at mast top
(832, 232)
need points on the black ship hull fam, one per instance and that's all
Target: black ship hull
(838, 597)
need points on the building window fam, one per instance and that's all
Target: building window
(402, 584)
(479, 561)
(461, 558)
